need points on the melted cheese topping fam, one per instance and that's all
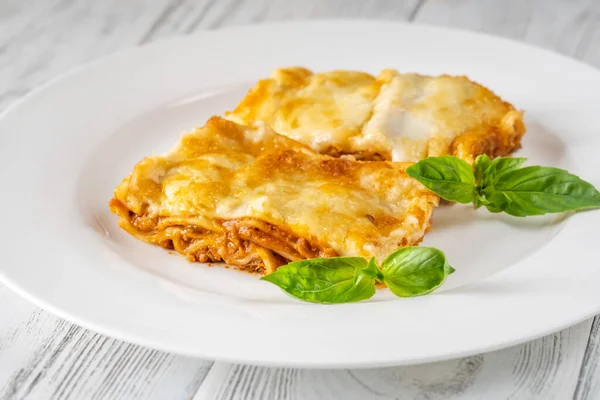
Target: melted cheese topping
(402, 117)
(225, 171)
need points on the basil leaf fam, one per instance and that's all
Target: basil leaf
(482, 163)
(326, 280)
(414, 271)
(449, 177)
(540, 190)
(505, 164)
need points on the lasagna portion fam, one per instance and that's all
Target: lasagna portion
(257, 200)
(394, 116)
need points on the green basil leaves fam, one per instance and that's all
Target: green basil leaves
(408, 272)
(540, 190)
(413, 271)
(502, 185)
(326, 280)
(449, 175)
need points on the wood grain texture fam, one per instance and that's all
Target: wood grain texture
(190, 15)
(588, 385)
(571, 27)
(44, 357)
(40, 39)
(543, 369)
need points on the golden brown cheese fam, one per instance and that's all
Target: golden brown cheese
(256, 199)
(399, 117)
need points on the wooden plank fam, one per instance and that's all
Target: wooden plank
(542, 369)
(588, 386)
(42, 356)
(569, 27)
(40, 39)
(187, 16)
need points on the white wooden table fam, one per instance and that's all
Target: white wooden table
(44, 357)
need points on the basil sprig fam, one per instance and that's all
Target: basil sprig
(408, 272)
(502, 185)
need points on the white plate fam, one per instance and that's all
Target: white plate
(66, 146)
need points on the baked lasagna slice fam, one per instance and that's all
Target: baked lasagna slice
(394, 116)
(257, 200)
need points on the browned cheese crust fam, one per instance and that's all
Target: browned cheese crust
(394, 116)
(256, 200)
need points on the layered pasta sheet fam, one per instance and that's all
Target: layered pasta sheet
(256, 199)
(393, 116)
